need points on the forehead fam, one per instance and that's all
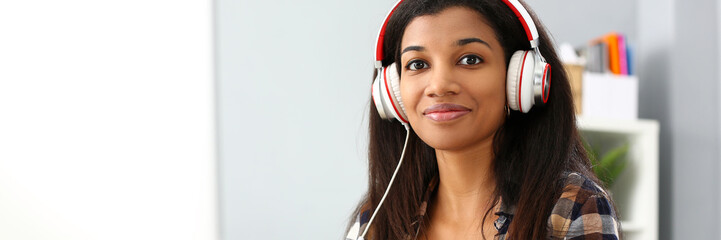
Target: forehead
(448, 26)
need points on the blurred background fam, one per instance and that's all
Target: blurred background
(246, 119)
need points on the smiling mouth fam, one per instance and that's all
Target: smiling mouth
(445, 112)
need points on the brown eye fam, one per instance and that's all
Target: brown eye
(416, 65)
(470, 60)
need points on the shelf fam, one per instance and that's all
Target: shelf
(635, 192)
(631, 226)
(617, 125)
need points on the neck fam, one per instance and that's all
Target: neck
(466, 184)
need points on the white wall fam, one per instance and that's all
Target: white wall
(718, 77)
(657, 30)
(294, 92)
(577, 22)
(656, 20)
(694, 121)
(107, 120)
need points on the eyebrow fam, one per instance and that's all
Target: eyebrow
(413, 48)
(459, 43)
(471, 40)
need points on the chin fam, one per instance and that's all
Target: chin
(446, 140)
(455, 139)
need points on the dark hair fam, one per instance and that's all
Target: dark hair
(531, 150)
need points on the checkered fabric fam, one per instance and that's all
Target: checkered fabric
(583, 212)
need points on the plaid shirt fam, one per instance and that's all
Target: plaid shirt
(582, 212)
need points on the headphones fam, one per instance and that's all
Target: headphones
(528, 80)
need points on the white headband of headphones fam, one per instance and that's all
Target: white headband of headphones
(528, 25)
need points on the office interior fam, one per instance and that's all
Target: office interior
(238, 119)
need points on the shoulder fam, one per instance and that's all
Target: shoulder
(583, 211)
(360, 223)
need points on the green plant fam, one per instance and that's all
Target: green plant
(610, 165)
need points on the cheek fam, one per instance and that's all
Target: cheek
(489, 89)
(498, 88)
(496, 92)
(410, 95)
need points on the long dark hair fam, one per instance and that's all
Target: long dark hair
(531, 150)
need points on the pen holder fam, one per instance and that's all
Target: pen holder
(575, 77)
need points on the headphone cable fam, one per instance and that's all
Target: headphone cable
(408, 132)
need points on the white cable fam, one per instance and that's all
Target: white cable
(408, 132)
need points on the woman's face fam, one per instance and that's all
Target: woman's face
(453, 76)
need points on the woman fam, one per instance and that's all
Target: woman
(488, 156)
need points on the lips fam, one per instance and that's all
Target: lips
(445, 112)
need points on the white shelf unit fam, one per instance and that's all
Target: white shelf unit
(635, 191)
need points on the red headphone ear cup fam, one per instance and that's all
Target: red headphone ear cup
(546, 87)
(519, 81)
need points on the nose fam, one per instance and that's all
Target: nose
(442, 83)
